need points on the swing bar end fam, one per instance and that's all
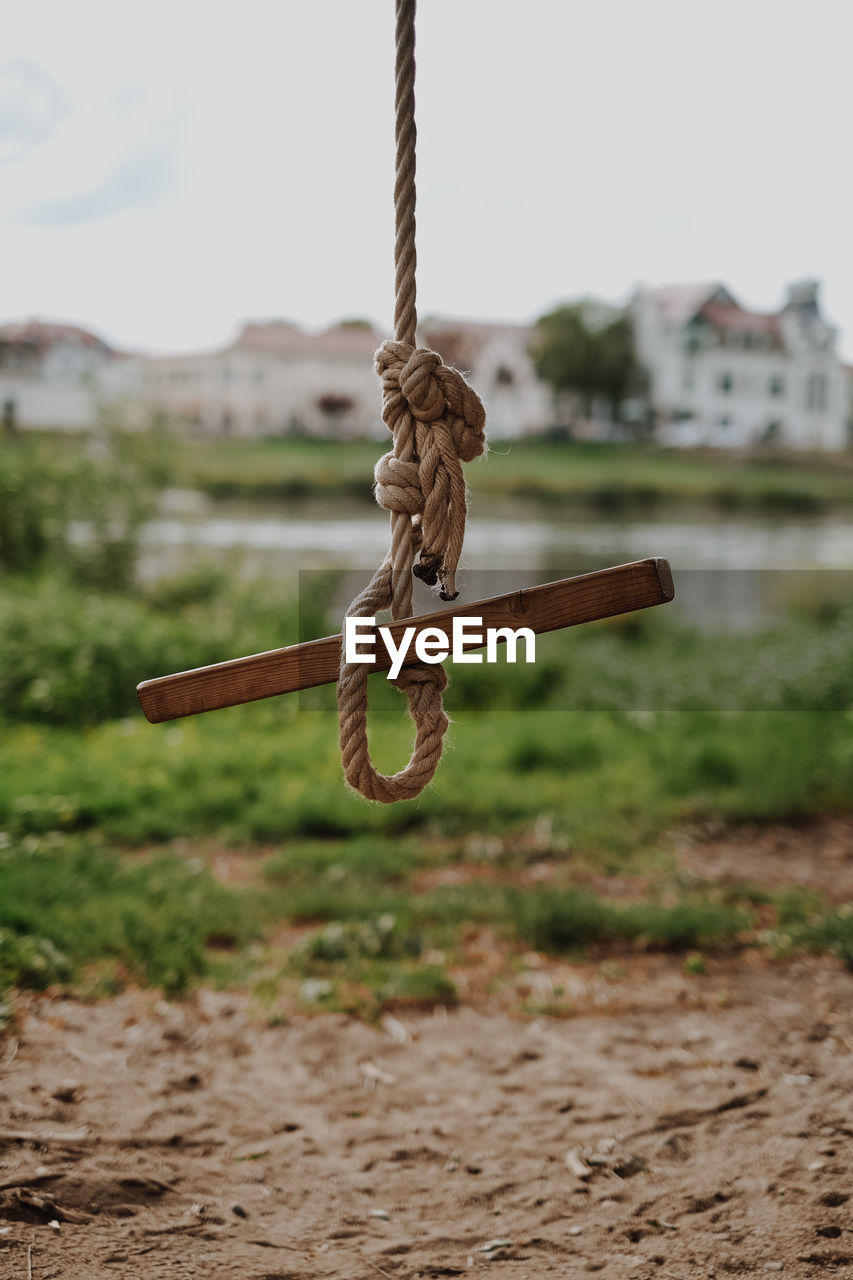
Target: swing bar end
(664, 573)
(589, 597)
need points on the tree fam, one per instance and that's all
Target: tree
(588, 349)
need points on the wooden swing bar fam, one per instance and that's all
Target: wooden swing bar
(550, 607)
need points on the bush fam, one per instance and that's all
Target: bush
(80, 503)
(65, 903)
(72, 656)
(31, 962)
(571, 920)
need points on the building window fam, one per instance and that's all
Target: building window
(334, 405)
(504, 376)
(776, 386)
(816, 393)
(725, 383)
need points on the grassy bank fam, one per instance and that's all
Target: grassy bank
(598, 478)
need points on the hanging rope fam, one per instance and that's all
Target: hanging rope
(437, 422)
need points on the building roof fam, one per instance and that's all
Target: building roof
(281, 337)
(459, 341)
(40, 336)
(734, 319)
(713, 303)
(680, 302)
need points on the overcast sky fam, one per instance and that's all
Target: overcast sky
(170, 169)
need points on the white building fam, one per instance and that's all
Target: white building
(58, 376)
(496, 360)
(277, 379)
(274, 379)
(718, 375)
(725, 376)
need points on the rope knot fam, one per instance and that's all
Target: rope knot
(421, 387)
(416, 379)
(398, 486)
(438, 422)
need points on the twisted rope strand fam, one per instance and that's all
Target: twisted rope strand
(437, 422)
(405, 134)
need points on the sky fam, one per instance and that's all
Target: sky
(170, 170)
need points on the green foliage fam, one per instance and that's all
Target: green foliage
(573, 920)
(79, 503)
(619, 731)
(342, 942)
(72, 656)
(267, 773)
(833, 932)
(67, 902)
(584, 349)
(378, 955)
(30, 962)
(365, 859)
(578, 475)
(424, 985)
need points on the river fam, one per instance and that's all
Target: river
(723, 565)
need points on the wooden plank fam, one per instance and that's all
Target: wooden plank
(550, 607)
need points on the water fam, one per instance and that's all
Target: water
(724, 567)
(319, 536)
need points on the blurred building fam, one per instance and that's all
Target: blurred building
(722, 375)
(58, 376)
(496, 359)
(274, 379)
(718, 374)
(277, 379)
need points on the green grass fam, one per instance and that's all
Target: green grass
(603, 478)
(600, 478)
(69, 903)
(263, 774)
(572, 920)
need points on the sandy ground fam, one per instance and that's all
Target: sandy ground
(703, 1130)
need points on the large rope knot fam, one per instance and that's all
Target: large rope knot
(421, 388)
(438, 421)
(416, 379)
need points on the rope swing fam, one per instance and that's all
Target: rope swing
(437, 422)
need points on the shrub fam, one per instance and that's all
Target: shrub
(72, 656)
(79, 504)
(65, 903)
(572, 920)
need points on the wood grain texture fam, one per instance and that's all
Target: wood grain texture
(550, 607)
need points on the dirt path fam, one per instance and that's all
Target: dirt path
(704, 1131)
